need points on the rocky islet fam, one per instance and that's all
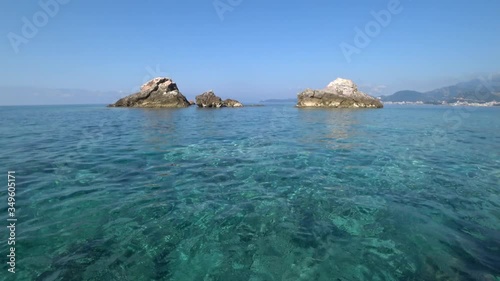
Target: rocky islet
(162, 92)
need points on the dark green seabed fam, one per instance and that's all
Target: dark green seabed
(257, 194)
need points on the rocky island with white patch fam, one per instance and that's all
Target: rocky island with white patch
(160, 92)
(341, 93)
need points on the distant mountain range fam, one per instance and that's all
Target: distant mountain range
(280, 100)
(474, 91)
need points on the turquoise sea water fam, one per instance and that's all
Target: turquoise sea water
(262, 193)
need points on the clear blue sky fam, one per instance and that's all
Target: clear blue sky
(258, 49)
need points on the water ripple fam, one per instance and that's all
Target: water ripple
(264, 193)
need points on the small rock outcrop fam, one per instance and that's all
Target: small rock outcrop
(209, 99)
(341, 93)
(232, 103)
(160, 92)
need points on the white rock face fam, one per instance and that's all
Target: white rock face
(161, 84)
(345, 87)
(341, 93)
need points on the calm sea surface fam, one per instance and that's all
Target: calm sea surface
(258, 193)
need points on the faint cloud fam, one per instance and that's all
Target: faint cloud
(374, 90)
(66, 95)
(23, 95)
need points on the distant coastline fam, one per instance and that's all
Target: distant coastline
(280, 100)
(457, 103)
(477, 92)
